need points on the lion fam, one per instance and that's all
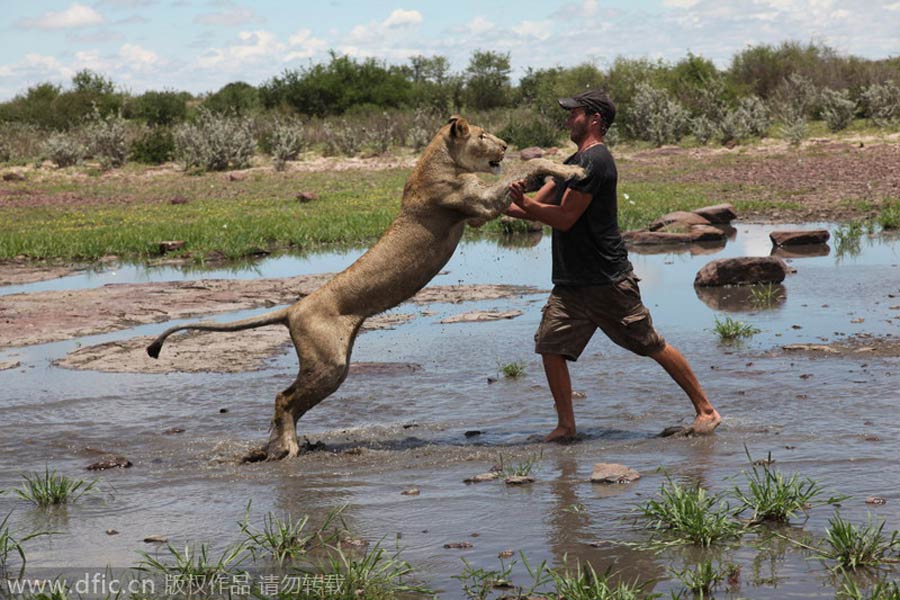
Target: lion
(441, 196)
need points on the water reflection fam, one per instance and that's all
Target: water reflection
(694, 249)
(801, 251)
(743, 298)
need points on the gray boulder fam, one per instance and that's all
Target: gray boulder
(742, 271)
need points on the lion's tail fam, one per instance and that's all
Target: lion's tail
(270, 318)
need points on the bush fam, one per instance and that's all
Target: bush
(106, 140)
(657, 118)
(5, 151)
(794, 129)
(154, 147)
(286, 141)
(159, 108)
(214, 142)
(422, 129)
(837, 109)
(529, 128)
(704, 129)
(734, 127)
(342, 138)
(63, 149)
(756, 115)
(796, 97)
(882, 102)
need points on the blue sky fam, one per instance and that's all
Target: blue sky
(200, 46)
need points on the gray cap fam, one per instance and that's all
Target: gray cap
(596, 102)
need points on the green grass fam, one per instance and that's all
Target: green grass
(193, 569)
(523, 468)
(586, 584)
(848, 238)
(285, 539)
(377, 575)
(701, 580)
(690, 515)
(764, 296)
(881, 590)
(857, 546)
(513, 370)
(52, 489)
(730, 329)
(773, 497)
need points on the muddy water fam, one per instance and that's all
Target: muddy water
(828, 417)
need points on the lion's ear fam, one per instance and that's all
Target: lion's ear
(459, 127)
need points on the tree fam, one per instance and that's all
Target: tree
(237, 98)
(86, 80)
(487, 80)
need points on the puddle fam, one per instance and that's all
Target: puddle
(831, 418)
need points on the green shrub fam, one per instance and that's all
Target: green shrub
(50, 488)
(63, 149)
(882, 103)
(734, 127)
(703, 129)
(106, 140)
(214, 142)
(286, 141)
(837, 109)
(656, 117)
(154, 147)
(529, 128)
(342, 138)
(158, 108)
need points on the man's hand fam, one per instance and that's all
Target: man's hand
(517, 192)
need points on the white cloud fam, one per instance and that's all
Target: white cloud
(232, 17)
(680, 3)
(303, 45)
(479, 25)
(77, 15)
(403, 18)
(894, 6)
(540, 30)
(138, 56)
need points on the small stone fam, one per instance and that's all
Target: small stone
(12, 364)
(491, 476)
(472, 433)
(176, 200)
(410, 492)
(491, 380)
(307, 196)
(506, 554)
(876, 500)
(13, 176)
(222, 411)
(173, 430)
(237, 176)
(519, 479)
(156, 539)
(799, 238)
(112, 462)
(355, 542)
(613, 473)
(112, 532)
(171, 246)
(531, 153)
(458, 545)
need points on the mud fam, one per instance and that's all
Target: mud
(42, 317)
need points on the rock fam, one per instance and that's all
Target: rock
(13, 176)
(307, 196)
(476, 316)
(810, 348)
(354, 542)
(799, 238)
(156, 539)
(506, 554)
(111, 462)
(491, 476)
(679, 216)
(171, 246)
(458, 545)
(176, 200)
(804, 251)
(674, 234)
(531, 152)
(383, 368)
(742, 271)
(112, 532)
(410, 492)
(10, 364)
(472, 433)
(237, 176)
(876, 500)
(718, 213)
(519, 479)
(173, 430)
(223, 411)
(613, 473)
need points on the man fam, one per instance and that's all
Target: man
(594, 285)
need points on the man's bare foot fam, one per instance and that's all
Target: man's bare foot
(706, 424)
(561, 435)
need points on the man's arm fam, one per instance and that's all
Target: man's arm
(561, 216)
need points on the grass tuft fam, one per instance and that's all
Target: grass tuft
(53, 489)
(284, 539)
(193, 569)
(703, 578)
(854, 547)
(730, 329)
(586, 584)
(690, 515)
(773, 497)
(513, 370)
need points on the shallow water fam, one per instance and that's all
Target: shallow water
(829, 418)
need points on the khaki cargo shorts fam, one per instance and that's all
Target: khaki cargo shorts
(572, 315)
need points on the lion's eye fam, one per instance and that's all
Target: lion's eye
(481, 136)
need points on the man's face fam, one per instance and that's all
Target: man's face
(578, 123)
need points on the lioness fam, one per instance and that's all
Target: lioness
(440, 197)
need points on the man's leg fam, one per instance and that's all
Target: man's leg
(676, 365)
(557, 372)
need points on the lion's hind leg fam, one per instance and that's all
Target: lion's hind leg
(324, 353)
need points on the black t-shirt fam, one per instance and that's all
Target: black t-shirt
(591, 252)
